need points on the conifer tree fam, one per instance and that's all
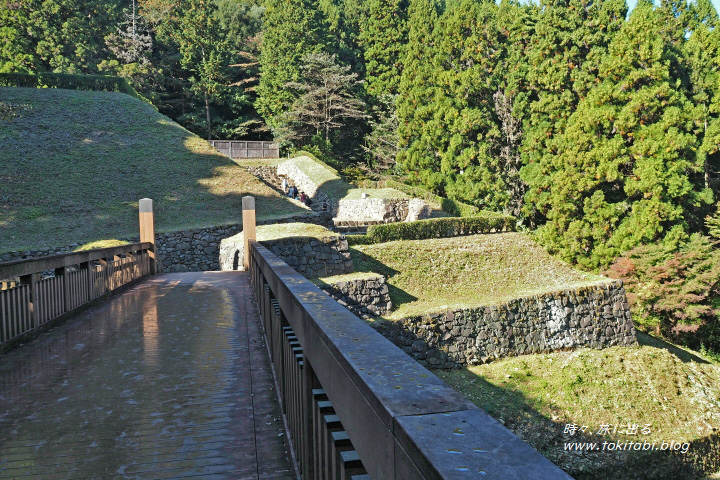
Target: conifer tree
(570, 38)
(416, 92)
(292, 29)
(383, 35)
(621, 173)
(468, 49)
(702, 54)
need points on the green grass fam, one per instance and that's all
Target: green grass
(259, 162)
(438, 274)
(675, 391)
(288, 230)
(111, 242)
(326, 178)
(73, 167)
(346, 277)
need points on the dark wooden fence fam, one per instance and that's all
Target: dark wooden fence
(359, 408)
(51, 287)
(246, 149)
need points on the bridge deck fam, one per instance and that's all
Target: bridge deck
(169, 380)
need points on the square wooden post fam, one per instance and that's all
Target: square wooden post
(147, 229)
(248, 221)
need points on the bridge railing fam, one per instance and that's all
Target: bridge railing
(44, 289)
(358, 407)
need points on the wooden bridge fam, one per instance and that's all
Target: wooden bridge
(236, 375)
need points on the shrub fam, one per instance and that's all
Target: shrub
(487, 222)
(671, 287)
(70, 82)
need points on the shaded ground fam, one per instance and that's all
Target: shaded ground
(169, 380)
(73, 167)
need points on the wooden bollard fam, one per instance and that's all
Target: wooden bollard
(248, 221)
(147, 229)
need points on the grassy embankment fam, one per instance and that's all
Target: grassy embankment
(74, 165)
(674, 391)
(461, 272)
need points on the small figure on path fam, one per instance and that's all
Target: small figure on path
(285, 186)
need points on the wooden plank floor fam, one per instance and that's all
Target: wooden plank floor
(169, 380)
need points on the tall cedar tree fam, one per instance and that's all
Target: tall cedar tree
(204, 51)
(467, 51)
(569, 41)
(292, 29)
(64, 36)
(702, 53)
(416, 93)
(620, 174)
(383, 36)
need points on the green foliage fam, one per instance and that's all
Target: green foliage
(326, 100)
(671, 286)
(712, 222)
(485, 222)
(55, 35)
(69, 81)
(292, 29)
(383, 36)
(624, 170)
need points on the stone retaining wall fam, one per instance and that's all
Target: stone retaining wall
(385, 210)
(594, 316)
(312, 257)
(193, 250)
(363, 296)
(298, 178)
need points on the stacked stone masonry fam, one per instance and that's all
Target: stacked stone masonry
(194, 250)
(364, 297)
(594, 316)
(381, 210)
(303, 183)
(312, 257)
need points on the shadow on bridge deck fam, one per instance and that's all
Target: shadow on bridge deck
(169, 380)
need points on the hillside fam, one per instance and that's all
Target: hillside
(669, 392)
(438, 274)
(73, 166)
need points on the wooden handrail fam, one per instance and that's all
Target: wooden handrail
(36, 303)
(19, 268)
(401, 420)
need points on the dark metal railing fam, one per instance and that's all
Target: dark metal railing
(357, 407)
(39, 291)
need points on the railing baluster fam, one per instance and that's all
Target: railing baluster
(26, 308)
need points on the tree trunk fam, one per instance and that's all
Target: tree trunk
(207, 116)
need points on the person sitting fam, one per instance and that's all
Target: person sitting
(303, 197)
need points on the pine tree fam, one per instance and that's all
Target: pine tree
(292, 29)
(326, 99)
